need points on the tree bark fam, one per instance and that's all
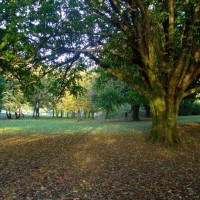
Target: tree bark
(148, 112)
(164, 120)
(125, 115)
(8, 114)
(17, 116)
(61, 113)
(135, 112)
(53, 112)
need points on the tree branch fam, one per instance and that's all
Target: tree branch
(171, 6)
(191, 91)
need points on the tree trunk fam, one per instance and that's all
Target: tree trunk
(18, 113)
(92, 112)
(36, 110)
(53, 112)
(147, 109)
(73, 114)
(135, 112)
(61, 113)
(56, 112)
(79, 115)
(107, 114)
(8, 114)
(85, 114)
(17, 116)
(125, 115)
(21, 113)
(164, 120)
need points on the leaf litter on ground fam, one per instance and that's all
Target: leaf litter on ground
(99, 166)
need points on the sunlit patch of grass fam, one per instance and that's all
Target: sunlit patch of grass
(12, 130)
(66, 126)
(63, 126)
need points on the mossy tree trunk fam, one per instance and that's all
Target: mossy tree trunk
(164, 120)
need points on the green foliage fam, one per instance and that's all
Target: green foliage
(27, 43)
(105, 93)
(108, 98)
(110, 93)
(13, 98)
(79, 102)
(190, 106)
(186, 107)
(196, 108)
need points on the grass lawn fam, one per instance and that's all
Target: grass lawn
(64, 159)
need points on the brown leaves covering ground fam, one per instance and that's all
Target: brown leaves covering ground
(99, 166)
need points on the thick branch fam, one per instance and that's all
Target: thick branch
(191, 91)
(122, 75)
(171, 31)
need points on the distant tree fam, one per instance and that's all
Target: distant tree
(135, 101)
(111, 93)
(105, 94)
(80, 102)
(38, 96)
(13, 99)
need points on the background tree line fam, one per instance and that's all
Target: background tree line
(99, 92)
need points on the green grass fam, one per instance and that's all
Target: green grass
(189, 119)
(64, 126)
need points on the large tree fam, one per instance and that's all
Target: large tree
(158, 40)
